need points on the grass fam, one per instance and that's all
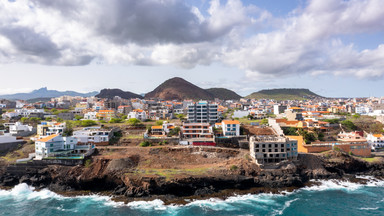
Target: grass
(133, 136)
(170, 173)
(247, 121)
(371, 159)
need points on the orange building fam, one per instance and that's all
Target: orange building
(358, 148)
(105, 114)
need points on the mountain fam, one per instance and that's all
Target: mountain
(284, 94)
(110, 93)
(45, 93)
(179, 89)
(224, 94)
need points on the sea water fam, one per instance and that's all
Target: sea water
(328, 197)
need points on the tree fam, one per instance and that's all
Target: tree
(174, 132)
(35, 120)
(115, 120)
(133, 121)
(124, 117)
(290, 131)
(77, 117)
(87, 123)
(24, 119)
(159, 122)
(59, 119)
(349, 125)
(180, 116)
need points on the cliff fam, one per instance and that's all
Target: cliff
(129, 178)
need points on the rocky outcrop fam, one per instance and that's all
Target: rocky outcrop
(113, 176)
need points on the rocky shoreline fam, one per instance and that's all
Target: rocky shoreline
(112, 178)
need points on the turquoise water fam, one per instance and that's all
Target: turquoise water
(329, 198)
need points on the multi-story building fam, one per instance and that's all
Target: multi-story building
(18, 128)
(49, 128)
(272, 149)
(376, 141)
(230, 127)
(138, 114)
(196, 130)
(56, 146)
(277, 109)
(105, 114)
(203, 112)
(93, 135)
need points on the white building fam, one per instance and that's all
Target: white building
(375, 141)
(18, 128)
(138, 114)
(49, 128)
(90, 116)
(230, 127)
(58, 147)
(93, 135)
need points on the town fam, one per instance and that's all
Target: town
(72, 127)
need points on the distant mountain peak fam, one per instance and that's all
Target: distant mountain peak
(111, 93)
(284, 94)
(45, 93)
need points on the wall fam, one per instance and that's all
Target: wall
(8, 147)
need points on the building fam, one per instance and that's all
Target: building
(105, 115)
(90, 116)
(138, 114)
(294, 114)
(278, 109)
(230, 127)
(18, 129)
(358, 148)
(57, 147)
(49, 128)
(375, 141)
(272, 149)
(196, 130)
(93, 135)
(202, 112)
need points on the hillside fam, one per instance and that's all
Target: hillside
(283, 94)
(111, 93)
(223, 93)
(45, 93)
(179, 89)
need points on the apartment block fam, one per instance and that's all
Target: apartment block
(268, 149)
(202, 112)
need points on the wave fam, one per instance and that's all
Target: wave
(263, 201)
(337, 184)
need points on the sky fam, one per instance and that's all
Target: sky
(333, 47)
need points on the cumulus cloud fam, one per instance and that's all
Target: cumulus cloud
(170, 32)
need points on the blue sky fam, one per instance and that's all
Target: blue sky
(333, 47)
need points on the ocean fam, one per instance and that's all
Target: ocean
(329, 197)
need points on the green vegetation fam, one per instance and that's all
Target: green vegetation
(170, 173)
(87, 123)
(116, 120)
(283, 94)
(88, 163)
(290, 131)
(159, 122)
(371, 159)
(174, 132)
(233, 168)
(264, 121)
(133, 121)
(181, 117)
(77, 117)
(349, 125)
(307, 136)
(332, 121)
(145, 144)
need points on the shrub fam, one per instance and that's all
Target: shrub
(115, 120)
(87, 123)
(87, 163)
(233, 168)
(145, 144)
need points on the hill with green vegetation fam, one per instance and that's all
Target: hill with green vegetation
(284, 94)
(223, 93)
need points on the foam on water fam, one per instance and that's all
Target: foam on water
(265, 201)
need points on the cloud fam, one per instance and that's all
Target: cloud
(170, 32)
